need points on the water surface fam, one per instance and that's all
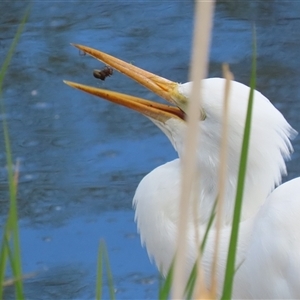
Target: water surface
(82, 158)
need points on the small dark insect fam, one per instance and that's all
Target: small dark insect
(102, 74)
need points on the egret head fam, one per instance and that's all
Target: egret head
(269, 145)
(270, 133)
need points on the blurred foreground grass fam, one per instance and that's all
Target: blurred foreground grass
(10, 243)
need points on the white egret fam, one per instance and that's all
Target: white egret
(269, 240)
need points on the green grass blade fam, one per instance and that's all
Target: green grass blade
(13, 265)
(12, 222)
(189, 289)
(12, 48)
(208, 227)
(109, 274)
(3, 261)
(103, 255)
(165, 289)
(99, 281)
(230, 266)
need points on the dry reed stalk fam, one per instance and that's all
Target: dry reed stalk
(222, 177)
(11, 281)
(199, 63)
(16, 174)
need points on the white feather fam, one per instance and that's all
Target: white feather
(269, 239)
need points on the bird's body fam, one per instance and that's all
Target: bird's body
(267, 225)
(271, 262)
(268, 253)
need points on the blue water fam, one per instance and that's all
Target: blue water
(82, 158)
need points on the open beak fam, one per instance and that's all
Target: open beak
(165, 88)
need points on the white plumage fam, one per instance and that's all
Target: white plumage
(268, 256)
(269, 238)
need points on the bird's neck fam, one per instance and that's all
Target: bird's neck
(263, 173)
(157, 213)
